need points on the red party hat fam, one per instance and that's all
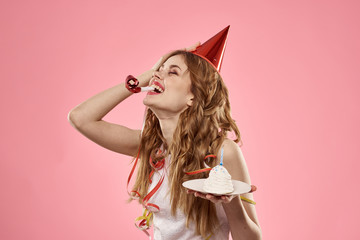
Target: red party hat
(213, 49)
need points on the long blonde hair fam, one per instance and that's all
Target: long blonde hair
(201, 129)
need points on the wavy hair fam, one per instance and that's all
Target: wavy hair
(201, 129)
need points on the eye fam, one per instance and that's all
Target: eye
(173, 73)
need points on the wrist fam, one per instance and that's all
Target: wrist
(145, 77)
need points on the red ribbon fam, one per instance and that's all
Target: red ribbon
(134, 194)
(145, 219)
(150, 206)
(157, 166)
(144, 224)
(203, 169)
(198, 171)
(210, 155)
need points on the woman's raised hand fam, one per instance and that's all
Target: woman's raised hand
(188, 49)
(192, 47)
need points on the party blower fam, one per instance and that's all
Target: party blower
(132, 83)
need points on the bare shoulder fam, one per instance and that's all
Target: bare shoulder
(234, 161)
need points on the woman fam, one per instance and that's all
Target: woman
(187, 119)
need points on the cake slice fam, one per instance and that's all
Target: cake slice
(219, 181)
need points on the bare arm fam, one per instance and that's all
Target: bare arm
(87, 119)
(87, 116)
(241, 215)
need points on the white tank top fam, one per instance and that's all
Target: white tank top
(168, 227)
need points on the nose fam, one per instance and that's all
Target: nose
(156, 74)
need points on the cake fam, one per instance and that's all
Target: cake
(219, 181)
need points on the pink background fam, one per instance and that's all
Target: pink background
(292, 68)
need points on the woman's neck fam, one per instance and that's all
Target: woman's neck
(168, 126)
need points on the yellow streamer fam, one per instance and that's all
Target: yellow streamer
(247, 200)
(146, 216)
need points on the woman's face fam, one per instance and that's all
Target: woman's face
(173, 83)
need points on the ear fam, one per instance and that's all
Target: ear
(190, 99)
(190, 102)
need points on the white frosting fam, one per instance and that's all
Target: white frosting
(219, 181)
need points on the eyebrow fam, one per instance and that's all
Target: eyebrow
(171, 66)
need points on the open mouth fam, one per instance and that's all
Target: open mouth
(158, 88)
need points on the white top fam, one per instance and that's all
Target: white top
(168, 227)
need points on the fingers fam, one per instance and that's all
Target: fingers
(212, 198)
(219, 199)
(226, 199)
(202, 195)
(193, 47)
(196, 194)
(253, 188)
(188, 49)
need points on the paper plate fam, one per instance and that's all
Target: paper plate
(197, 185)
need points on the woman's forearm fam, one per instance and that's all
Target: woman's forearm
(97, 106)
(241, 225)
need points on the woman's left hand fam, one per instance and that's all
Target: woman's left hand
(216, 199)
(211, 197)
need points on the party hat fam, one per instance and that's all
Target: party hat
(213, 49)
